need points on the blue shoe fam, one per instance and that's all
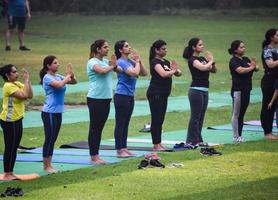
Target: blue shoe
(183, 146)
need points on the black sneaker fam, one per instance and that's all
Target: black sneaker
(214, 152)
(8, 48)
(156, 163)
(143, 164)
(24, 48)
(205, 152)
(18, 192)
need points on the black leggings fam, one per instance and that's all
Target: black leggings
(52, 124)
(241, 101)
(267, 115)
(99, 111)
(158, 107)
(12, 136)
(123, 110)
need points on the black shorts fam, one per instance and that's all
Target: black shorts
(16, 21)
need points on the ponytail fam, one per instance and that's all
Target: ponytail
(94, 47)
(119, 45)
(234, 46)
(48, 60)
(188, 50)
(268, 35)
(155, 46)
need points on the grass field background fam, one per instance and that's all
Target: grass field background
(247, 171)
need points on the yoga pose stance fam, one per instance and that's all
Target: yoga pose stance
(270, 64)
(200, 67)
(14, 95)
(54, 86)
(161, 71)
(100, 72)
(241, 69)
(124, 93)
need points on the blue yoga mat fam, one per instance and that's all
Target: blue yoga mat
(84, 160)
(83, 152)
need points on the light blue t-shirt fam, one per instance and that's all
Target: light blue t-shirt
(54, 97)
(126, 83)
(100, 84)
(17, 8)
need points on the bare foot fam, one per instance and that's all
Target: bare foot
(50, 170)
(122, 154)
(159, 147)
(270, 136)
(9, 176)
(97, 160)
(128, 152)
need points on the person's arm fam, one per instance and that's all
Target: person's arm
(174, 65)
(203, 67)
(27, 93)
(164, 74)
(62, 83)
(133, 71)
(245, 70)
(271, 64)
(143, 70)
(274, 97)
(27, 4)
(69, 70)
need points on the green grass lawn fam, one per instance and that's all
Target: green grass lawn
(246, 171)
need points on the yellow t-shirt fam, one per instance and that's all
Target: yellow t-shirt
(13, 108)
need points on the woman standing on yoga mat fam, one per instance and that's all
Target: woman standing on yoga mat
(100, 72)
(14, 95)
(159, 89)
(200, 67)
(241, 69)
(124, 93)
(54, 86)
(270, 64)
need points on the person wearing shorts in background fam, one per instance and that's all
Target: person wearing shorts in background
(18, 12)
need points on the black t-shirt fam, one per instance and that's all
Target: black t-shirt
(158, 84)
(240, 82)
(270, 53)
(199, 78)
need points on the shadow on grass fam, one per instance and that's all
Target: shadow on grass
(261, 189)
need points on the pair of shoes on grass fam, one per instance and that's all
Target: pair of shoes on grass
(22, 48)
(210, 152)
(16, 192)
(150, 163)
(183, 146)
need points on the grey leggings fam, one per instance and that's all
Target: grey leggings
(198, 105)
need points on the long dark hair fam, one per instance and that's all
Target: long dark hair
(268, 35)
(188, 50)
(48, 60)
(119, 45)
(6, 70)
(155, 46)
(96, 45)
(234, 46)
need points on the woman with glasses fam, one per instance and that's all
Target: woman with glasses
(161, 71)
(124, 93)
(14, 95)
(200, 67)
(54, 86)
